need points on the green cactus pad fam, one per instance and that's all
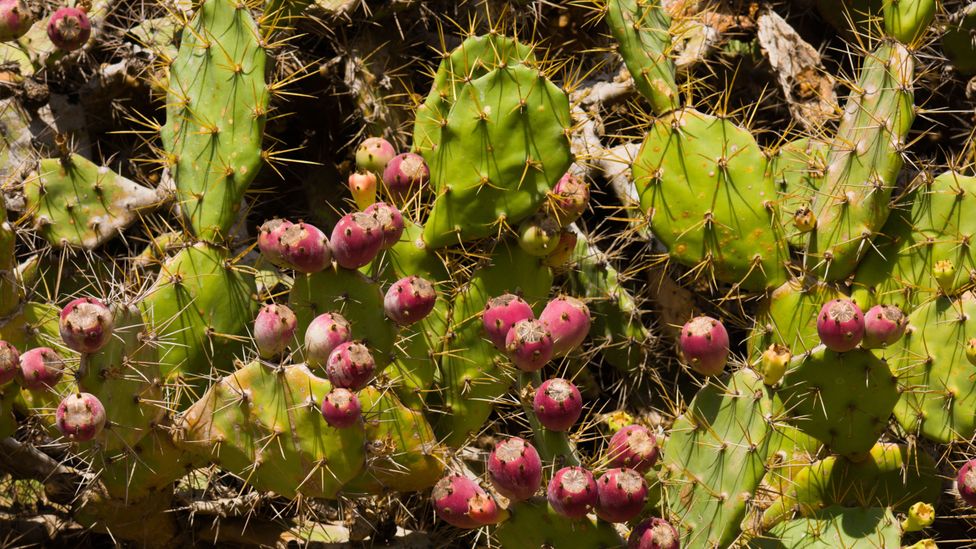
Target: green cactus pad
(703, 184)
(352, 295)
(215, 113)
(533, 523)
(798, 169)
(148, 467)
(474, 58)
(824, 392)
(934, 226)
(263, 424)
(789, 316)
(642, 29)
(715, 458)
(863, 163)
(503, 147)
(940, 398)
(200, 309)
(77, 203)
(125, 377)
(472, 375)
(857, 528)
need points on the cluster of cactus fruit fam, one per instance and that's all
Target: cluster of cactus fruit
(453, 323)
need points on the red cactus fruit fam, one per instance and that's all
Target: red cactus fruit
(633, 446)
(69, 28)
(405, 174)
(460, 502)
(883, 326)
(409, 300)
(654, 533)
(840, 325)
(356, 239)
(80, 417)
(620, 495)
(9, 363)
(572, 492)
(269, 240)
(40, 368)
(305, 248)
(529, 345)
(515, 469)
(569, 199)
(966, 483)
(390, 220)
(15, 19)
(86, 325)
(705, 345)
(341, 408)
(557, 404)
(350, 366)
(501, 314)
(568, 320)
(274, 329)
(373, 154)
(326, 332)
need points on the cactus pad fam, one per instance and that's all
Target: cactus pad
(642, 29)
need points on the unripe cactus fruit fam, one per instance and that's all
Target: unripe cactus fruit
(15, 19)
(572, 492)
(804, 219)
(539, 235)
(405, 174)
(350, 366)
(515, 469)
(557, 404)
(501, 314)
(269, 240)
(705, 345)
(840, 325)
(944, 273)
(971, 351)
(40, 368)
(921, 515)
(362, 187)
(86, 325)
(654, 533)
(305, 248)
(563, 252)
(341, 408)
(69, 28)
(620, 495)
(568, 321)
(569, 199)
(9, 363)
(274, 329)
(373, 154)
(356, 239)
(883, 326)
(966, 483)
(390, 220)
(635, 447)
(529, 345)
(455, 497)
(409, 300)
(80, 417)
(326, 332)
(773, 363)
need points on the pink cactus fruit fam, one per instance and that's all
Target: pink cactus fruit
(572, 492)
(568, 320)
(86, 325)
(356, 239)
(326, 332)
(620, 495)
(557, 404)
(390, 220)
(40, 368)
(305, 248)
(635, 447)
(9, 363)
(69, 28)
(269, 240)
(350, 366)
(80, 417)
(274, 329)
(15, 19)
(341, 408)
(883, 326)
(515, 469)
(362, 187)
(409, 300)
(404, 175)
(840, 325)
(501, 314)
(373, 154)
(529, 345)
(460, 502)
(966, 483)
(569, 199)
(704, 345)
(654, 533)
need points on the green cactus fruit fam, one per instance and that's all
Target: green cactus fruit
(533, 523)
(788, 316)
(147, 468)
(263, 424)
(906, 20)
(355, 297)
(940, 399)
(215, 114)
(503, 147)
(798, 170)
(924, 247)
(824, 391)
(835, 527)
(920, 516)
(642, 31)
(891, 475)
(473, 375)
(125, 377)
(716, 456)
(200, 309)
(74, 202)
(717, 213)
(957, 42)
(862, 164)
(474, 58)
